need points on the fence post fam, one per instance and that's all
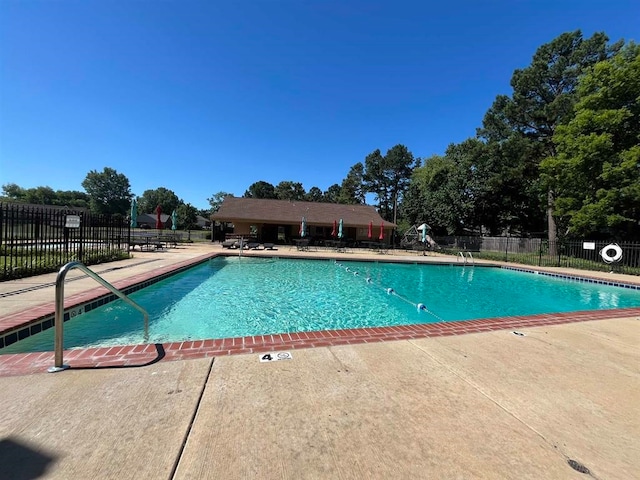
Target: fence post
(81, 243)
(506, 249)
(540, 254)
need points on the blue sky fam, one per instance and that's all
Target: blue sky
(207, 96)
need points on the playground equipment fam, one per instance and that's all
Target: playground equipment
(417, 238)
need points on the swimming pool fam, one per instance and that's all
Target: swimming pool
(234, 297)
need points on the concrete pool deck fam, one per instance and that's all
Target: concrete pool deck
(480, 405)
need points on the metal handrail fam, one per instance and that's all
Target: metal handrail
(464, 258)
(59, 315)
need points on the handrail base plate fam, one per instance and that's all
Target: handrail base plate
(57, 369)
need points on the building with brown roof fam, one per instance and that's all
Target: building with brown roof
(279, 221)
(148, 220)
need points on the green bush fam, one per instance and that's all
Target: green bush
(23, 265)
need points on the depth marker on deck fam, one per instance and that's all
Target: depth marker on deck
(274, 357)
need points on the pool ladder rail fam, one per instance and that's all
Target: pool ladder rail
(59, 315)
(468, 258)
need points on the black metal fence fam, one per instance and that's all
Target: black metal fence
(37, 239)
(600, 255)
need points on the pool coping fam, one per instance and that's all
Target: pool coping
(31, 321)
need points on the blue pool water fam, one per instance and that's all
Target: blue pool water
(232, 297)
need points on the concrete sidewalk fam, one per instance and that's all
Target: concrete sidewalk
(487, 405)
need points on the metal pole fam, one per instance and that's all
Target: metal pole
(81, 239)
(59, 314)
(59, 319)
(540, 254)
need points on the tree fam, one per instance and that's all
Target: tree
(162, 196)
(109, 191)
(374, 179)
(543, 97)
(37, 195)
(46, 196)
(512, 198)
(352, 190)
(388, 178)
(288, 190)
(216, 200)
(13, 191)
(332, 194)
(466, 185)
(187, 216)
(499, 194)
(315, 195)
(260, 189)
(436, 196)
(414, 207)
(41, 196)
(596, 172)
(72, 198)
(469, 190)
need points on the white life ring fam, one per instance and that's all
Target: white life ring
(609, 258)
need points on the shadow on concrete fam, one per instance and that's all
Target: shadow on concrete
(160, 354)
(19, 461)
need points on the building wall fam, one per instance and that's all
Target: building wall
(242, 228)
(353, 233)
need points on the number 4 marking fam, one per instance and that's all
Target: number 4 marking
(269, 357)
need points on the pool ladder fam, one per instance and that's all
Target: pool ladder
(461, 255)
(59, 315)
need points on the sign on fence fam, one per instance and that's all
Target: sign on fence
(72, 221)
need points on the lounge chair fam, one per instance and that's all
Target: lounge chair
(302, 244)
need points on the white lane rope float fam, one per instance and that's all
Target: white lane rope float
(421, 307)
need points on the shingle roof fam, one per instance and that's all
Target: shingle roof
(152, 217)
(285, 211)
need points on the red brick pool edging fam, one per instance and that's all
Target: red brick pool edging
(142, 355)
